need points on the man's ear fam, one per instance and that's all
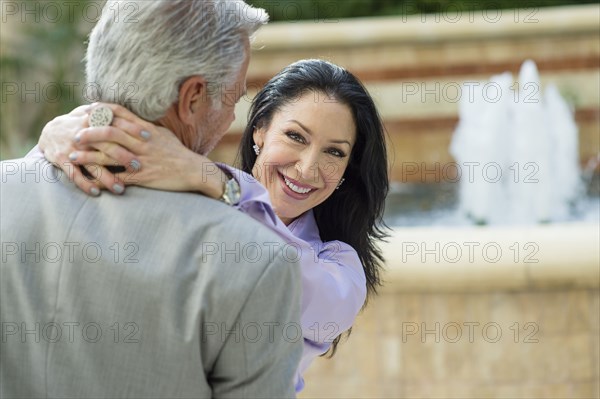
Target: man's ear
(193, 98)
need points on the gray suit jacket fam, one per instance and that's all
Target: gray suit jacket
(152, 294)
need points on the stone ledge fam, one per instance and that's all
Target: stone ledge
(476, 259)
(474, 26)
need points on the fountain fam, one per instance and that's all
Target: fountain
(526, 146)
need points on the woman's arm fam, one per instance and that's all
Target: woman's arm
(334, 291)
(152, 156)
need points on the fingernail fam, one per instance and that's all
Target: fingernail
(95, 191)
(135, 165)
(118, 188)
(77, 138)
(73, 156)
(145, 135)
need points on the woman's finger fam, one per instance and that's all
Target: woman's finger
(81, 110)
(121, 131)
(107, 154)
(122, 112)
(117, 155)
(75, 174)
(102, 176)
(86, 157)
(137, 133)
(118, 147)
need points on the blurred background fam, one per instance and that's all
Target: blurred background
(476, 303)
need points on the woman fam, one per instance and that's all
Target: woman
(315, 141)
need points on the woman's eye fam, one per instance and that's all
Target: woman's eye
(336, 153)
(295, 136)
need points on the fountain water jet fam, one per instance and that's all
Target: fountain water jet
(525, 144)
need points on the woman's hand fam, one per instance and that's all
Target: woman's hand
(60, 146)
(155, 158)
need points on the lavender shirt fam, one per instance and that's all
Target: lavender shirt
(333, 281)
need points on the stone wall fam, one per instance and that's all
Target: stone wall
(496, 344)
(519, 319)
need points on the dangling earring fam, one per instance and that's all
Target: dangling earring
(340, 183)
(256, 149)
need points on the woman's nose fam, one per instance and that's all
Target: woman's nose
(308, 168)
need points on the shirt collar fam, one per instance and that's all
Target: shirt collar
(305, 227)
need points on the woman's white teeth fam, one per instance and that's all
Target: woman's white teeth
(295, 188)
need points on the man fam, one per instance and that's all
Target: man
(155, 294)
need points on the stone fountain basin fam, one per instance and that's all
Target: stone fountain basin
(535, 319)
(479, 258)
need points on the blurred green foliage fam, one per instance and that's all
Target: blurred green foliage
(41, 64)
(334, 9)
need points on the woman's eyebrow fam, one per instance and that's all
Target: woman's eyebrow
(302, 126)
(311, 133)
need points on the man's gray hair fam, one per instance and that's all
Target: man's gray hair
(140, 52)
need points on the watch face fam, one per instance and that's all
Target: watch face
(232, 191)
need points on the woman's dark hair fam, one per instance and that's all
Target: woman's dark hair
(352, 214)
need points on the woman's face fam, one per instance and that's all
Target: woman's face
(304, 153)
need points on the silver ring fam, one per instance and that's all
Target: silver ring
(101, 116)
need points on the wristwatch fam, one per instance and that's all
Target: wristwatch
(231, 191)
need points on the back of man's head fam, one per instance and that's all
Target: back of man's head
(140, 52)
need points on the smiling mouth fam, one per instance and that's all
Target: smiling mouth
(295, 188)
